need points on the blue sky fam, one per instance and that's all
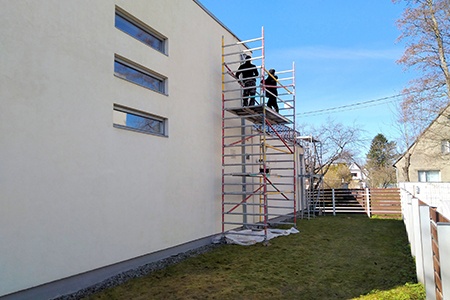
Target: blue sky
(344, 53)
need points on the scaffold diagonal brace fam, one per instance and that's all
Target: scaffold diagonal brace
(276, 187)
(279, 136)
(278, 149)
(232, 74)
(240, 141)
(245, 199)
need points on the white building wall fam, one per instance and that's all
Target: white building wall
(76, 193)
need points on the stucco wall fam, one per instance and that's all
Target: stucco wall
(76, 193)
(425, 154)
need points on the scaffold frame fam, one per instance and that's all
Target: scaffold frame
(312, 175)
(259, 165)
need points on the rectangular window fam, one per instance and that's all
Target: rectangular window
(139, 32)
(429, 176)
(139, 76)
(445, 146)
(126, 118)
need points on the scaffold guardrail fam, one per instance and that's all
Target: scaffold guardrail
(259, 165)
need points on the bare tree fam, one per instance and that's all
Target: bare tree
(337, 177)
(339, 143)
(425, 27)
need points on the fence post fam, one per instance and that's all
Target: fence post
(443, 231)
(368, 201)
(334, 203)
(417, 241)
(427, 252)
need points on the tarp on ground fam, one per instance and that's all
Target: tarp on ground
(249, 237)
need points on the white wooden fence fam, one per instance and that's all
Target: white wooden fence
(384, 203)
(426, 213)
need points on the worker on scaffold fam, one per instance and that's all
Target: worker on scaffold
(272, 90)
(248, 70)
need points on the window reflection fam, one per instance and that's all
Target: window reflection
(138, 77)
(139, 33)
(137, 122)
(429, 176)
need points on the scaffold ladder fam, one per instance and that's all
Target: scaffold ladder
(313, 176)
(259, 181)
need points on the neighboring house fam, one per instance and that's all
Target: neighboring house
(111, 123)
(358, 176)
(428, 158)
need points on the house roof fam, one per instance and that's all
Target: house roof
(423, 132)
(362, 169)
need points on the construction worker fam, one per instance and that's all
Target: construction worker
(248, 70)
(271, 90)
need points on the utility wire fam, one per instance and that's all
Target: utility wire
(353, 106)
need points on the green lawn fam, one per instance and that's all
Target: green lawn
(339, 257)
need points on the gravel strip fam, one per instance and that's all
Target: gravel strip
(139, 272)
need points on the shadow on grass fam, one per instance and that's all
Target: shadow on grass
(340, 257)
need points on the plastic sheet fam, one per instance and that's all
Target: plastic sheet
(250, 237)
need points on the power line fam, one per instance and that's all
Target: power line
(353, 106)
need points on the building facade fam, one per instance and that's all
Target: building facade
(428, 158)
(358, 176)
(111, 147)
(110, 130)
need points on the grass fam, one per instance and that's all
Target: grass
(406, 292)
(339, 257)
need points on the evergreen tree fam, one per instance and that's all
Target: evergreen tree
(379, 163)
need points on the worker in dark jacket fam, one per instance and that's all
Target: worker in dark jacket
(248, 70)
(271, 90)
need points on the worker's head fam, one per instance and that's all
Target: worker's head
(272, 71)
(246, 57)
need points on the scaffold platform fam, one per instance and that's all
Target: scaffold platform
(259, 165)
(255, 114)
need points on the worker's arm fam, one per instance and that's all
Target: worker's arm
(238, 73)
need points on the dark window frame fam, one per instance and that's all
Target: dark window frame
(139, 75)
(163, 130)
(427, 173)
(139, 30)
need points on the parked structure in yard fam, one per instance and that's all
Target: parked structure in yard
(428, 158)
(111, 146)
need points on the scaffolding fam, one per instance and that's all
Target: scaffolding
(259, 181)
(312, 176)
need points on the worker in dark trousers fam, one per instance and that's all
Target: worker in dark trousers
(248, 70)
(271, 90)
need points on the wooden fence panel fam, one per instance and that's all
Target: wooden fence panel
(383, 202)
(435, 218)
(346, 201)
